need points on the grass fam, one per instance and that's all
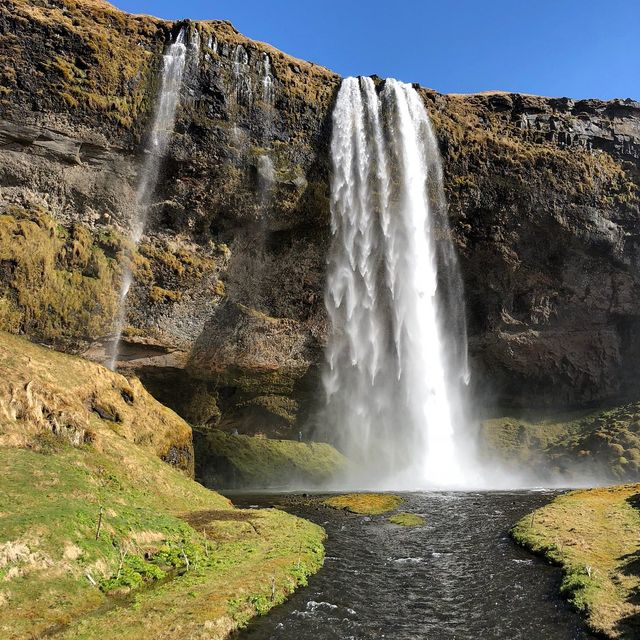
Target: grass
(46, 393)
(406, 519)
(256, 462)
(594, 536)
(365, 503)
(101, 538)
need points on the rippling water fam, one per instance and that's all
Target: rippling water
(460, 576)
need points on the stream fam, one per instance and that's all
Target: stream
(458, 576)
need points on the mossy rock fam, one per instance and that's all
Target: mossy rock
(406, 519)
(238, 461)
(365, 503)
(604, 441)
(58, 284)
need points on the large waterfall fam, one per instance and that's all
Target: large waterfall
(396, 356)
(173, 65)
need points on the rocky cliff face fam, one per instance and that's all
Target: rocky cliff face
(226, 320)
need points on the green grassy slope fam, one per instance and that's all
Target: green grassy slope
(101, 538)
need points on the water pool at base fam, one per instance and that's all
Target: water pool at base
(457, 577)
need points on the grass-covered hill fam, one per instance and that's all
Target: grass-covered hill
(99, 537)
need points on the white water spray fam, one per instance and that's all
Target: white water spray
(394, 361)
(173, 66)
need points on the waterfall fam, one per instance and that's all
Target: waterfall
(242, 80)
(267, 78)
(396, 354)
(173, 65)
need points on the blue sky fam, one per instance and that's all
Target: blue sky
(575, 48)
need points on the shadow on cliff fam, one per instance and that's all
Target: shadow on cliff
(262, 345)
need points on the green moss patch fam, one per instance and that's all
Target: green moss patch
(106, 66)
(365, 503)
(230, 461)
(593, 536)
(605, 442)
(406, 519)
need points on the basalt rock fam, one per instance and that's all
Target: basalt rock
(226, 318)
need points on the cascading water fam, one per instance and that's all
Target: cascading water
(173, 66)
(242, 79)
(394, 361)
(266, 78)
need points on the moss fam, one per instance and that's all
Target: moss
(108, 65)
(260, 383)
(83, 520)
(593, 536)
(282, 407)
(158, 294)
(365, 503)
(247, 461)
(164, 257)
(572, 442)
(219, 289)
(475, 137)
(59, 285)
(406, 519)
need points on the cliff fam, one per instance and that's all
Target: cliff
(226, 320)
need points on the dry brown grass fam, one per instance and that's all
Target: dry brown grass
(45, 393)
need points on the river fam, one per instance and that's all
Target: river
(457, 577)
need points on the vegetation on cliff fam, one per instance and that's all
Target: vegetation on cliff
(230, 461)
(603, 445)
(58, 284)
(104, 67)
(99, 537)
(593, 536)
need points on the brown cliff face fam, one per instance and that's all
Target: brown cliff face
(544, 198)
(226, 319)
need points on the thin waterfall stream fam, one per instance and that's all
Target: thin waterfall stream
(396, 356)
(173, 66)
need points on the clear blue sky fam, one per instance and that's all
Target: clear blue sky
(575, 48)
